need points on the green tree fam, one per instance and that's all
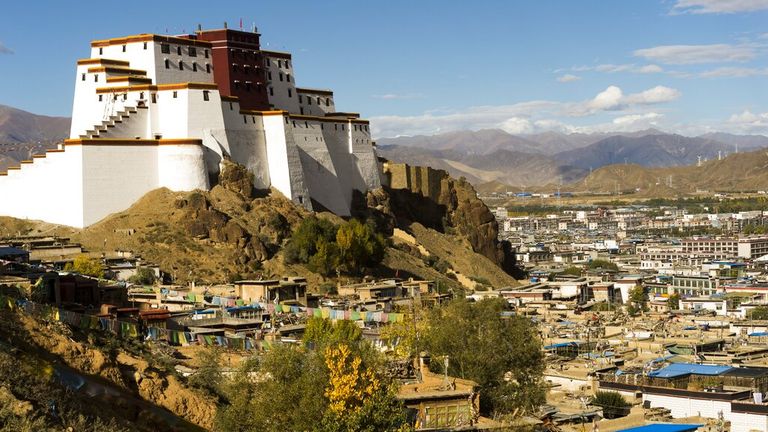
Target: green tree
(602, 264)
(326, 258)
(208, 376)
(673, 302)
(321, 333)
(758, 313)
(359, 246)
(143, 276)
(307, 237)
(502, 354)
(638, 301)
(86, 266)
(574, 271)
(613, 404)
(296, 387)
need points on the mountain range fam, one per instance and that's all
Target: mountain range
(23, 134)
(519, 161)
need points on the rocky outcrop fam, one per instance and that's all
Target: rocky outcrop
(436, 200)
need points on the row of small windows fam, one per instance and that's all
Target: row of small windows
(246, 69)
(194, 66)
(335, 127)
(280, 63)
(206, 96)
(166, 49)
(286, 76)
(272, 92)
(319, 100)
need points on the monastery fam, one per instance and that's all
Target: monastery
(154, 111)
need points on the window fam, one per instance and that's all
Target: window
(141, 96)
(82, 77)
(269, 76)
(230, 106)
(279, 63)
(101, 98)
(154, 97)
(247, 86)
(194, 67)
(271, 91)
(208, 68)
(290, 93)
(288, 77)
(286, 64)
(335, 126)
(145, 45)
(301, 110)
(175, 94)
(192, 52)
(327, 101)
(245, 119)
(101, 51)
(96, 78)
(309, 100)
(300, 99)
(206, 96)
(181, 65)
(306, 124)
(318, 100)
(123, 48)
(206, 53)
(253, 119)
(281, 76)
(178, 50)
(165, 48)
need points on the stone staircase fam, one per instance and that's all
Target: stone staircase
(118, 125)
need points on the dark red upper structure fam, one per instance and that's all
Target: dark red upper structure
(238, 66)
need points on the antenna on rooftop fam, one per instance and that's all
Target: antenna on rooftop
(699, 162)
(199, 27)
(225, 25)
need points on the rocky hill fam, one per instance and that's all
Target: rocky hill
(228, 233)
(23, 134)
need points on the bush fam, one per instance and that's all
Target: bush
(613, 404)
(85, 266)
(603, 264)
(143, 276)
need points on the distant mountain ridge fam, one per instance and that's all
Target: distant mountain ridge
(498, 158)
(23, 134)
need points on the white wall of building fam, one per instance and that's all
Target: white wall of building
(687, 407)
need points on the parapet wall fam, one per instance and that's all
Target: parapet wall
(425, 181)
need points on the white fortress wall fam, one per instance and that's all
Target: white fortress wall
(115, 175)
(322, 164)
(315, 102)
(181, 167)
(49, 189)
(364, 154)
(247, 142)
(285, 166)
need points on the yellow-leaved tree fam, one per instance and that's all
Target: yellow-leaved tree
(348, 383)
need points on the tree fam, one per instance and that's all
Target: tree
(613, 404)
(85, 266)
(322, 333)
(673, 302)
(143, 276)
(208, 376)
(758, 313)
(306, 238)
(359, 246)
(502, 354)
(332, 390)
(603, 264)
(638, 302)
(574, 271)
(326, 258)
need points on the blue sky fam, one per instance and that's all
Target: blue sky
(429, 66)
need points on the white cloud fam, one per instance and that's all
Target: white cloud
(718, 6)
(4, 49)
(651, 68)
(613, 68)
(733, 72)
(748, 122)
(524, 117)
(692, 54)
(647, 119)
(568, 78)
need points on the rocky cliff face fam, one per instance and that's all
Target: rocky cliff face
(436, 200)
